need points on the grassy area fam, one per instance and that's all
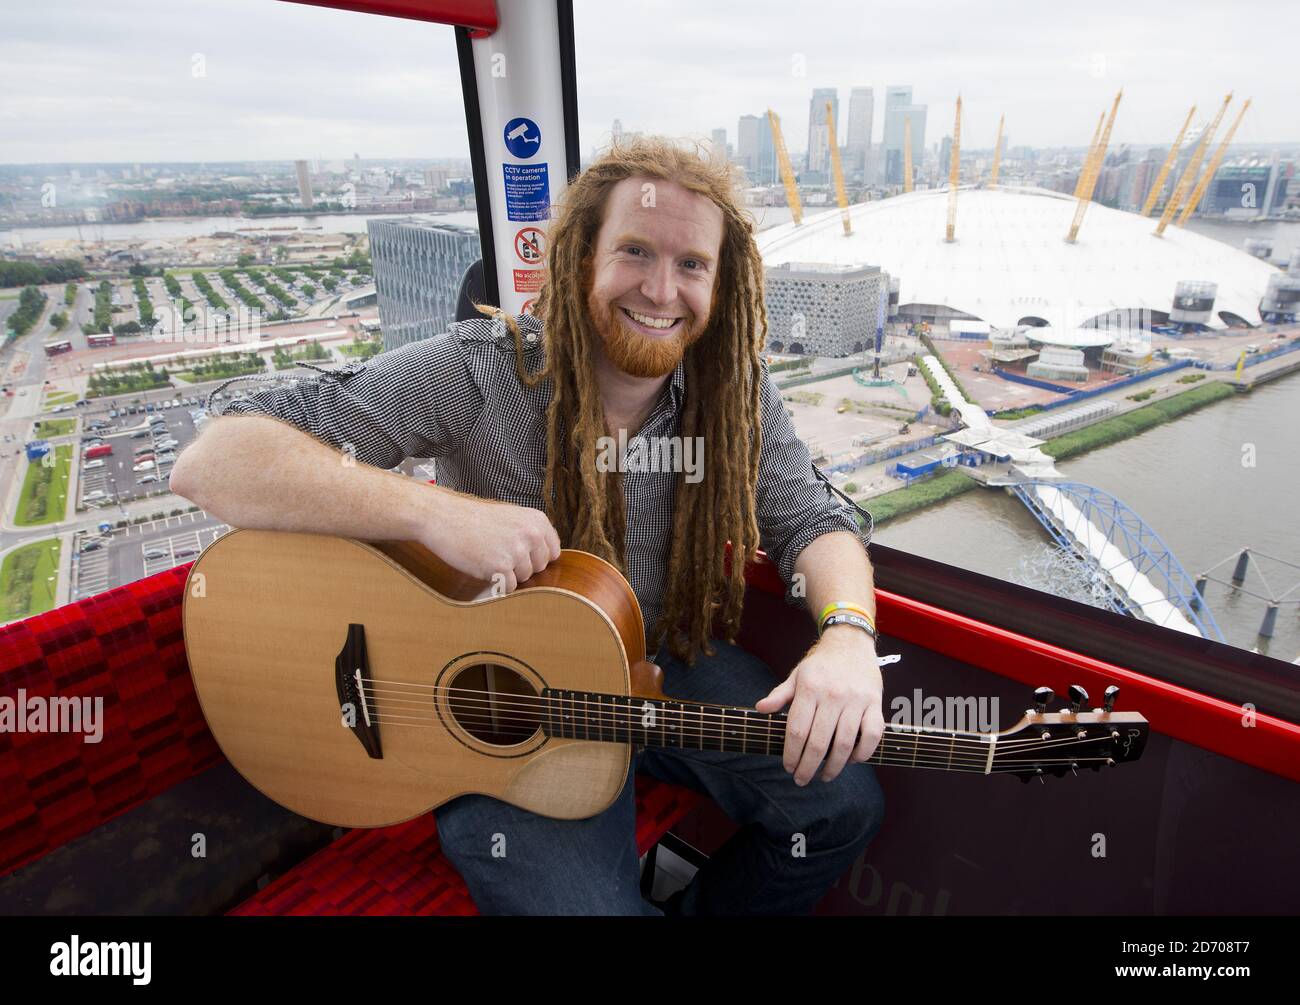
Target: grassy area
(942, 486)
(55, 427)
(1019, 413)
(45, 490)
(53, 398)
(25, 587)
(1121, 427)
(364, 350)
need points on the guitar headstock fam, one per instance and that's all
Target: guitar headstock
(1066, 742)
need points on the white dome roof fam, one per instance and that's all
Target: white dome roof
(1010, 259)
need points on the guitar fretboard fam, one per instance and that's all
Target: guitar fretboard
(613, 718)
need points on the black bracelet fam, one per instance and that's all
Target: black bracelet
(851, 619)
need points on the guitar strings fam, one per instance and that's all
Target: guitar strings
(941, 753)
(613, 714)
(884, 755)
(521, 700)
(527, 725)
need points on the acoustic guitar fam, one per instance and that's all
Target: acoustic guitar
(361, 684)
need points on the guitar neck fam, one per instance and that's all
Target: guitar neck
(686, 725)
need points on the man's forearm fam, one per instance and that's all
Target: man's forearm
(836, 567)
(258, 472)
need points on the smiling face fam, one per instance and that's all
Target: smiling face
(653, 274)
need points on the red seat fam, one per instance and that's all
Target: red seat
(126, 646)
(401, 869)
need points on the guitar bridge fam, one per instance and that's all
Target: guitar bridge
(352, 679)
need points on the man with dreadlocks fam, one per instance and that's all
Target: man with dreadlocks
(650, 326)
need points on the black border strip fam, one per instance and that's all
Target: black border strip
(478, 162)
(569, 87)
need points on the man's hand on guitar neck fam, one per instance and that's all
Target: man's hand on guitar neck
(835, 705)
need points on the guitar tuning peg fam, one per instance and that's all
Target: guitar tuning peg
(1078, 698)
(1108, 698)
(1042, 696)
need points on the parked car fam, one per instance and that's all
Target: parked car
(91, 496)
(168, 444)
(146, 478)
(112, 413)
(139, 433)
(143, 466)
(154, 419)
(155, 552)
(149, 407)
(92, 465)
(186, 551)
(91, 545)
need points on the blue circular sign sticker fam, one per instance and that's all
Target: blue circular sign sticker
(523, 138)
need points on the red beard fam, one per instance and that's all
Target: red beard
(635, 353)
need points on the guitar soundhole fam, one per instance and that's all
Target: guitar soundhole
(494, 704)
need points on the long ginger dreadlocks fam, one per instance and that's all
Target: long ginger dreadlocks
(722, 404)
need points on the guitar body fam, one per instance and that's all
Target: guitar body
(270, 621)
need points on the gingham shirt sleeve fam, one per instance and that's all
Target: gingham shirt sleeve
(794, 507)
(418, 400)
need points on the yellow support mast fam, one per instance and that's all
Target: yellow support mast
(954, 173)
(1199, 192)
(997, 155)
(1094, 169)
(907, 153)
(787, 172)
(1092, 149)
(1189, 175)
(1168, 166)
(839, 171)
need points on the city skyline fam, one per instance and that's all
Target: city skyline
(200, 84)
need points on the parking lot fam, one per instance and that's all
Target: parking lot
(145, 440)
(127, 554)
(143, 447)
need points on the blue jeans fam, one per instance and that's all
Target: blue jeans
(560, 867)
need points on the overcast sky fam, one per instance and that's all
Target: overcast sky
(114, 80)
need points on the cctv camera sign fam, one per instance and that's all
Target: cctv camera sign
(528, 188)
(517, 74)
(523, 138)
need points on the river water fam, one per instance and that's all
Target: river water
(1190, 480)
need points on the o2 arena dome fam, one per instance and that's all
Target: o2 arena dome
(1010, 263)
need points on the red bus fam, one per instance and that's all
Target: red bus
(103, 450)
(104, 338)
(54, 348)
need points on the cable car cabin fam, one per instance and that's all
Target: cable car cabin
(140, 812)
(1126, 768)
